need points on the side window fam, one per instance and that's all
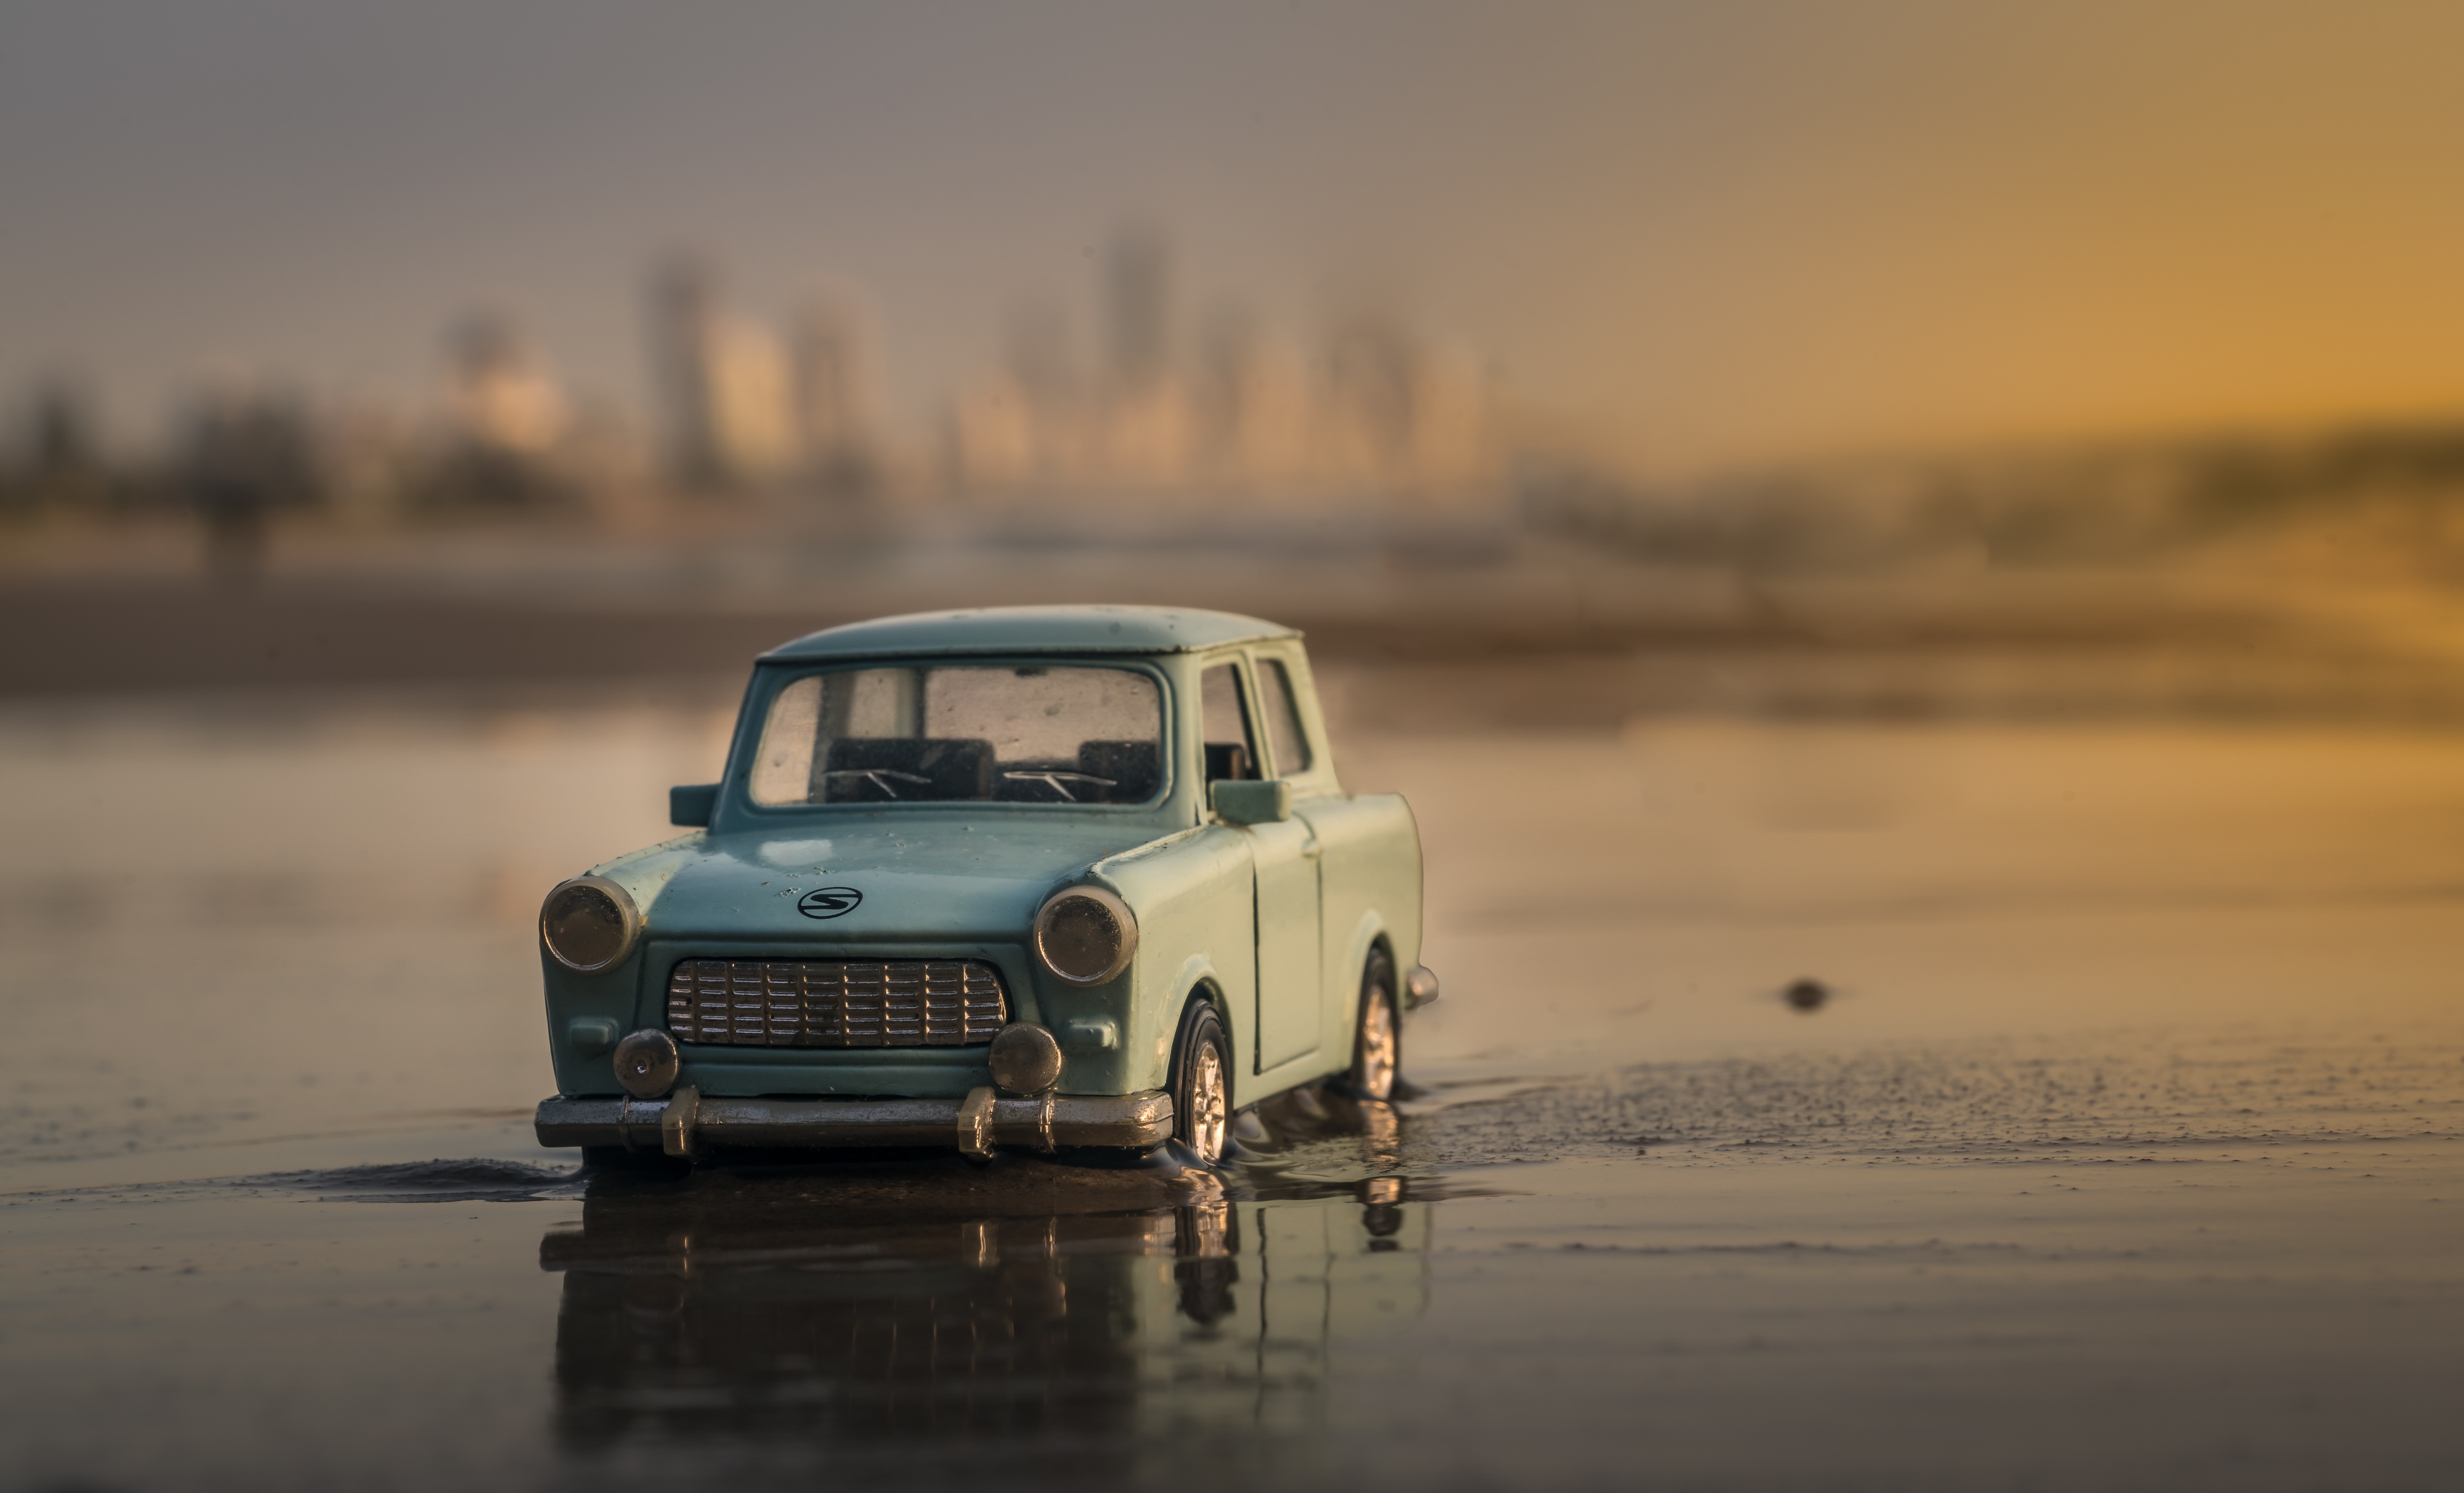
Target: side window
(1230, 752)
(1283, 731)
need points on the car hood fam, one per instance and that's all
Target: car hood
(914, 876)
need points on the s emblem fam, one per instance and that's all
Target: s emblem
(829, 901)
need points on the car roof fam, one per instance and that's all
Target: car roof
(1032, 629)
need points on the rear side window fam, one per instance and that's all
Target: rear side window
(962, 734)
(1283, 718)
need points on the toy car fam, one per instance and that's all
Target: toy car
(1038, 877)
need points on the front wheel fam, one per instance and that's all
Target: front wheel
(1202, 1085)
(1378, 1046)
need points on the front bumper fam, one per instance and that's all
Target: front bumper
(685, 1124)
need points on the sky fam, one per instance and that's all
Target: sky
(1684, 234)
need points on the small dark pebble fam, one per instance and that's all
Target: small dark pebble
(1806, 994)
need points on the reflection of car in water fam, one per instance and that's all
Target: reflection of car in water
(1036, 877)
(766, 1315)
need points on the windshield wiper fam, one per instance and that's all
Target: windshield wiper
(877, 776)
(1053, 781)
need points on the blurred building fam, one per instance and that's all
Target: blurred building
(507, 424)
(830, 359)
(1376, 411)
(743, 405)
(1125, 403)
(501, 395)
(721, 385)
(1137, 308)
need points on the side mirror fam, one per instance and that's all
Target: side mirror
(1248, 802)
(690, 804)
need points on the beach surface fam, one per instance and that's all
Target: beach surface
(2124, 1147)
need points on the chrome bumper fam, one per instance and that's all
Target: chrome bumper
(687, 1124)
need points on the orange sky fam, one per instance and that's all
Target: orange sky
(1992, 231)
(1696, 233)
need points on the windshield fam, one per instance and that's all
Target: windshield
(963, 733)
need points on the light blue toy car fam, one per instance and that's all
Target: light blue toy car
(1039, 877)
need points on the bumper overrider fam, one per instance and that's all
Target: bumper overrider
(686, 1123)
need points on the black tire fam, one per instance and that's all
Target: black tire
(1378, 1032)
(1200, 1121)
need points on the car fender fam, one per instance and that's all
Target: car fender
(1197, 981)
(1194, 908)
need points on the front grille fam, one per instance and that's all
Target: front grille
(835, 1002)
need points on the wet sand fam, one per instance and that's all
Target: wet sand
(2126, 1148)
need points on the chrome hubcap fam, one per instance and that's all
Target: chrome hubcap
(1377, 1046)
(1206, 1119)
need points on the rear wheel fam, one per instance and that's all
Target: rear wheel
(1377, 1044)
(1202, 1085)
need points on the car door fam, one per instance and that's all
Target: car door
(1283, 857)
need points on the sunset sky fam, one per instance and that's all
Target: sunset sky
(1689, 233)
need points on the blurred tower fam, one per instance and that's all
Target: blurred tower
(1453, 436)
(722, 384)
(1372, 369)
(1044, 379)
(682, 307)
(1218, 409)
(1039, 353)
(1137, 307)
(752, 405)
(833, 398)
(992, 437)
(1146, 428)
(1253, 404)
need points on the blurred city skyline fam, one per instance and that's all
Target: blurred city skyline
(1143, 397)
(1674, 236)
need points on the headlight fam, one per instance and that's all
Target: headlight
(1085, 934)
(588, 923)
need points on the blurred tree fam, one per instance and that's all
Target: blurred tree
(245, 459)
(56, 458)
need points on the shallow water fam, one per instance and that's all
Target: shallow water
(2126, 1148)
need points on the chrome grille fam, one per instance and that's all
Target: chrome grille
(835, 1002)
